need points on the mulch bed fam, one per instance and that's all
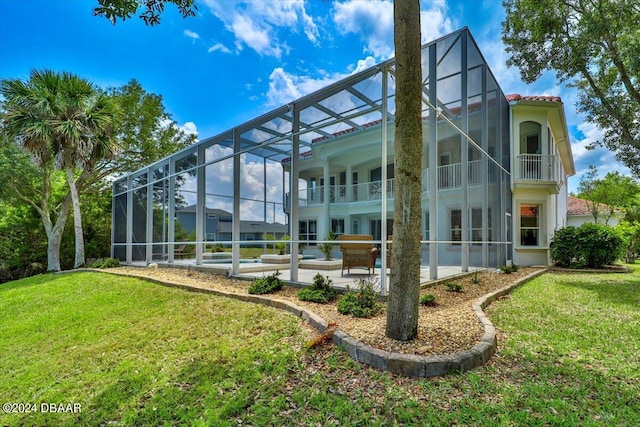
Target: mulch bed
(448, 327)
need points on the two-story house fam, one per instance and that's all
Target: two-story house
(494, 170)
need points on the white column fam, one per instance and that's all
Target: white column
(295, 194)
(235, 234)
(327, 202)
(384, 290)
(149, 230)
(433, 168)
(200, 205)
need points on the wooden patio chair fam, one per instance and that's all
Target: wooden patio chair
(361, 254)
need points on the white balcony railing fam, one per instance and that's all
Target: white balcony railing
(449, 176)
(537, 167)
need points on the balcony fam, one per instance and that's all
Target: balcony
(536, 170)
(449, 177)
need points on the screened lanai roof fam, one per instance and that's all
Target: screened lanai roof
(349, 105)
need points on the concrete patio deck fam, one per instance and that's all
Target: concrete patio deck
(252, 270)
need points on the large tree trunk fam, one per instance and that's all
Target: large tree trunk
(54, 231)
(77, 219)
(404, 285)
(54, 240)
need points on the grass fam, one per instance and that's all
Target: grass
(134, 353)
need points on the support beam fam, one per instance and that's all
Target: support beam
(384, 289)
(464, 156)
(235, 234)
(433, 168)
(294, 231)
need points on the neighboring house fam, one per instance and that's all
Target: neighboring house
(218, 226)
(494, 167)
(579, 212)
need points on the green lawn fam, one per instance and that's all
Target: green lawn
(134, 353)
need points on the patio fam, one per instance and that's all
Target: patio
(253, 270)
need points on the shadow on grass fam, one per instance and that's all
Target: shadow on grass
(26, 282)
(205, 389)
(622, 289)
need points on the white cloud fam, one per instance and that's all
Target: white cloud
(364, 64)
(434, 23)
(191, 34)
(373, 21)
(285, 87)
(579, 148)
(189, 128)
(219, 47)
(258, 24)
(219, 184)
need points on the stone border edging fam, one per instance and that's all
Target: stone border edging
(399, 363)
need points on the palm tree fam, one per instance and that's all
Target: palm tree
(62, 120)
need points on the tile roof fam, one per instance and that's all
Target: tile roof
(518, 97)
(576, 206)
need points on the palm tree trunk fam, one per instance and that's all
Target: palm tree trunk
(404, 282)
(77, 219)
(53, 231)
(53, 250)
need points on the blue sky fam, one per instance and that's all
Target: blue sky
(238, 59)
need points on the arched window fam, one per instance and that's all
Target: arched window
(530, 138)
(530, 150)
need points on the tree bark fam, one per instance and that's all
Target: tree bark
(404, 284)
(77, 219)
(54, 232)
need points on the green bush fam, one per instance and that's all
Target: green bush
(327, 248)
(630, 233)
(321, 291)
(453, 287)
(428, 299)
(106, 263)
(590, 245)
(475, 279)
(563, 247)
(266, 285)
(362, 302)
(508, 269)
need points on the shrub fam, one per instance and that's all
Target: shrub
(362, 302)
(327, 247)
(453, 287)
(508, 269)
(630, 233)
(590, 245)
(106, 263)
(600, 244)
(474, 278)
(266, 284)
(428, 299)
(321, 291)
(282, 245)
(563, 249)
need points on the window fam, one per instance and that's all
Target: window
(355, 226)
(426, 225)
(308, 231)
(337, 226)
(529, 225)
(456, 226)
(476, 225)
